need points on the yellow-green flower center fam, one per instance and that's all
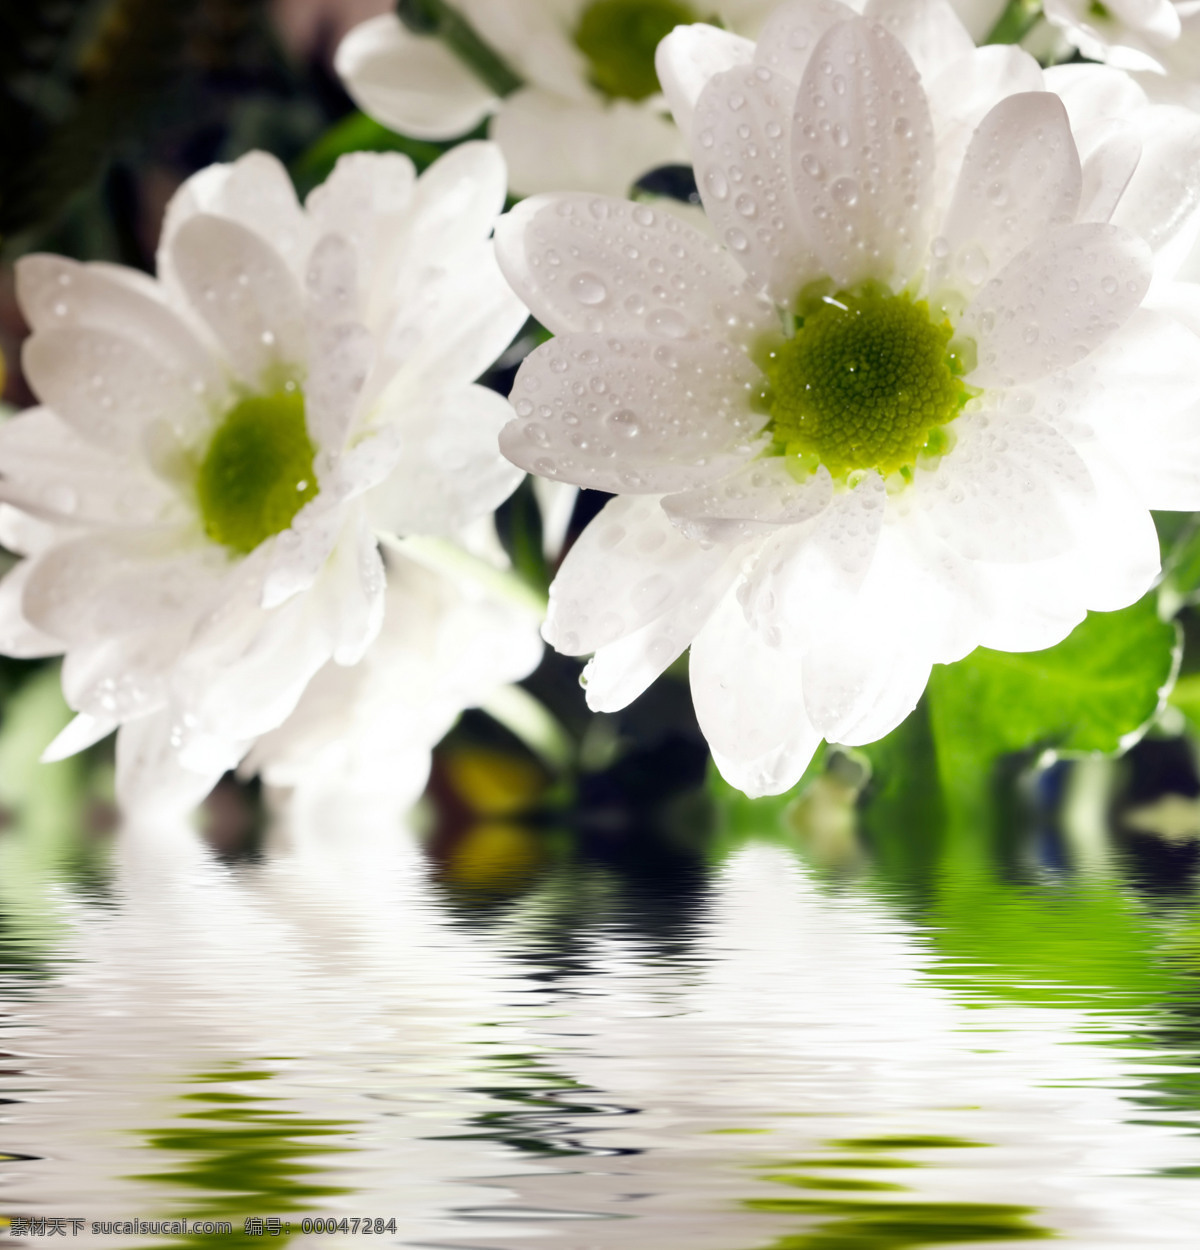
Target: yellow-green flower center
(619, 37)
(866, 382)
(258, 470)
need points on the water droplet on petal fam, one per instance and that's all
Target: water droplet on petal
(588, 289)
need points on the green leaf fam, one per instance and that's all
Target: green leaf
(1181, 562)
(1093, 692)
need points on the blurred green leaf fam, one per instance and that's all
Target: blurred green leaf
(1181, 563)
(1092, 692)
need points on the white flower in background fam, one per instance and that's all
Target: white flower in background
(448, 642)
(1158, 36)
(199, 496)
(589, 117)
(911, 406)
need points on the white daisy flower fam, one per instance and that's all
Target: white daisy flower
(199, 495)
(589, 117)
(912, 406)
(450, 641)
(1161, 37)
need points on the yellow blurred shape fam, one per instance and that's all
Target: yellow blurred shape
(494, 783)
(495, 857)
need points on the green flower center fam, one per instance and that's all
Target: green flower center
(619, 37)
(866, 382)
(258, 470)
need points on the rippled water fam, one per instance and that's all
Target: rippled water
(741, 1058)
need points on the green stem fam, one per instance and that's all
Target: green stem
(529, 720)
(437, 18)
(1015, 22)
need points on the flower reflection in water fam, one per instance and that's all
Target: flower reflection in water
(743, 1056)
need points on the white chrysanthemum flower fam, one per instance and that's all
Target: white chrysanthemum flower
(911, 406)
(590, 116)
(450, 640)
(1157, 36)
(199, 496)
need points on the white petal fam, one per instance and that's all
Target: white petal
(622, 670)
(605, 266)
(19, 637)
(411, 83)
(256, 192)
(964, 93)
(1020, 176)
(741, 152)
(998, 494)
(762, 491)
(55, 292)
(110, 390)
(121, 581)
(750, 704)
(354, 594)
(1140, 398)
(51, 471)
(793, 30)
(151, 780)
(931, 32)
(688, 57)
(864, 185)
(809, 576)
(1094, 93)
(245, 292)
(629, 567)
(554, 144)
(1056, 302)
(342, 358)
(451, 325)
(632, 414)
(451, 471)
(125, 675)
(84, 731)
(298, 554)
(363, 200)
(1162, 202)
(1107, 170)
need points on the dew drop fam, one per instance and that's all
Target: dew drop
(845, 192)
(588, 289)
(716, 184)
(736, 239)
(747, 205)
(812, 167)
(624, 422)
(667, 322)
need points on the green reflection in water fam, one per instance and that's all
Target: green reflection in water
(875, 1223)
(248, 1158)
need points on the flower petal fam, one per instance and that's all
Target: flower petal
(84, 731)
(90, 588)
(410, 83)
(51, 471)
(587, 264)
(1056, 302)
(19, 637)
(629, 567)
(863, 156)
(741, 154)
(793, 30)
(451, 471)
(256, 192)
(1162, 202)
(688, 57)
(554, 144)
(750, 704)
(931, 32)
(245, 292)
(1020, 176)
(763, 492)
(1107, 169)
(998, 494)
(622, 670)
(112, 391)
(632, 414)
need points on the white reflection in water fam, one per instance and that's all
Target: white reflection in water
(323, 1034)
